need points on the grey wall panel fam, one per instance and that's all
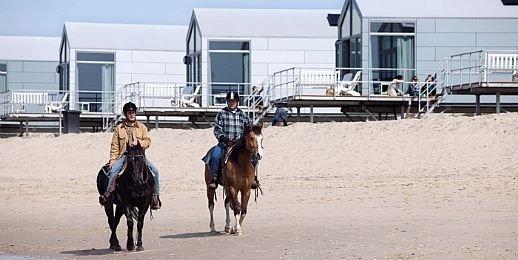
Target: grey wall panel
(32, 77)
(497, 39)
(15, 86)
(425, 53)
(442, 52)
(14, 66)
(446, 39)
(425, 25)
(477, 25)
(39, 66)
(39, 86)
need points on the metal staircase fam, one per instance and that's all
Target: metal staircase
(112, 110)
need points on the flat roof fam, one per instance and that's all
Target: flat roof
(265, 22)
(29, 48)
(126, 36)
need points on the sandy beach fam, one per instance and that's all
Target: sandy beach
(444, 187)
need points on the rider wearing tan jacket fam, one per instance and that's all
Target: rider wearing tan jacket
(129, 133)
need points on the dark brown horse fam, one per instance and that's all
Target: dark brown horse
(132, 197)
(238, 175)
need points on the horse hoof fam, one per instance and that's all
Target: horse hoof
(227, 230)
(233, 231)
(130, 247)
(115, 247)
(239, 233)
(140, 248)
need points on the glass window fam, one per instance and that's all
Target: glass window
(95, 77)
(190, 43)
(3, 77)
(228, 68)
(96, 84)
(393, 52)
(357, 22)
(91, 56)
(345, 27)
(380, 27)
(197, 42)
(229, 45)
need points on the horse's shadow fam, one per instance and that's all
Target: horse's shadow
(194, 235)
(89, 252)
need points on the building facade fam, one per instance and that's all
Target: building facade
(98, 59)
(407, 37)
(236, 49)
(28, 63)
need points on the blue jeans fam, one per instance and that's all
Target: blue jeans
(215, 158)
(117, 166)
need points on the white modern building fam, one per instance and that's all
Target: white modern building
(235, 49)
(96, 59)
(28, 63)
(413, 37)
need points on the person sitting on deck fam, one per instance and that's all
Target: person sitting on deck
(394, 87)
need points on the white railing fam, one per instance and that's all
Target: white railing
(477, 67)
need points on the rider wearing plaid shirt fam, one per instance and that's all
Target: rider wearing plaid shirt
(228, 128)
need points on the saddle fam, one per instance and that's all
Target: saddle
(223, 162)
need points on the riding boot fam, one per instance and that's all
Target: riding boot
(103, 199)
(255, 183)
(213, 183)
(155, 202)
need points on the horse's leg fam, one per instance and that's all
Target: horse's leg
(244, 205)
(210, 198)
(227, 209)
(140, 224)
(114, 241)
(108, 209)
(130, 244)
(237, 210)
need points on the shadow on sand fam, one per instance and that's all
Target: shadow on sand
(89, 252)
(193, 235)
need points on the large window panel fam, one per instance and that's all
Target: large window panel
(386, 27)
(229, 63)
(345, 28)
(356, 22)
(228, 68)
(91, 56)
(393, 52)
(96, 80)
(228, 45)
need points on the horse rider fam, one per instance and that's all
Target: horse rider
(128, 134)
(228, 129)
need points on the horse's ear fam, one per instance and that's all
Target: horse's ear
(257, 128)
(248, 128)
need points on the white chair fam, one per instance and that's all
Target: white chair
(346, 86)
(187, 99)
(56, 106)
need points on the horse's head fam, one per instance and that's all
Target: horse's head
(136, 164)
(253, 139)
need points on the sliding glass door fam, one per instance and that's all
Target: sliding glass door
(95, 77)
(229, 68)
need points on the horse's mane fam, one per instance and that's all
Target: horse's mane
(240, 144)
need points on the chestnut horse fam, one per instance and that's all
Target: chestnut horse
(237, 177)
